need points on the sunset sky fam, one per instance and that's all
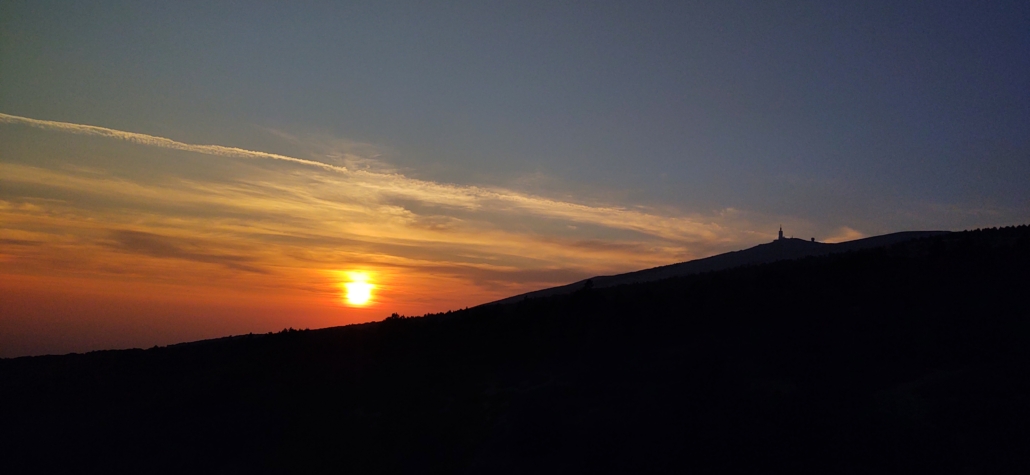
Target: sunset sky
(171, 171)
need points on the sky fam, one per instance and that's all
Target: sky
(171, 171)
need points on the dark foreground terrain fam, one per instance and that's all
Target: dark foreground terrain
(909, 358)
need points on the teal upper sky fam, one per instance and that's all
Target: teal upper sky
(878, 116)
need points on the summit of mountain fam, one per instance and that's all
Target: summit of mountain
(778, 250)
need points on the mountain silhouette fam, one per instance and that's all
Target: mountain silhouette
(908, 357)
(778, 250)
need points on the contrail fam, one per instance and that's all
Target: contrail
(144, 139)
(468, 196)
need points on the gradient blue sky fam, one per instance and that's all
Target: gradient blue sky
(716, 120)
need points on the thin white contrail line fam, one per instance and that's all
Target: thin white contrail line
(144, 139)
(455, 195)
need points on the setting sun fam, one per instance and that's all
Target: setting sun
(359, 289)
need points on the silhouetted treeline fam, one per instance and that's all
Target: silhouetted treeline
(902, 359)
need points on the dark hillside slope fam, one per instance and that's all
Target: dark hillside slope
(779, 250)
(908, 358)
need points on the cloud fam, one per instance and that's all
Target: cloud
(274, 223)
(18, 242)
(167, 247)
(843, 234)
(391, 185)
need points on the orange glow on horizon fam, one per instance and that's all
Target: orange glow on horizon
(175, 242)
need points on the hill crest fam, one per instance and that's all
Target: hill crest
(777, 250)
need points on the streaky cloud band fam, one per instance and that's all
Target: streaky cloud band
(673, 228)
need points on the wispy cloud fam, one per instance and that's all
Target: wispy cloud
(843, 234)
(106, 231)
(165, 247)
(248, 221)
(689, 228)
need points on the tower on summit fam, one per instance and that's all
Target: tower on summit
(781, 233)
